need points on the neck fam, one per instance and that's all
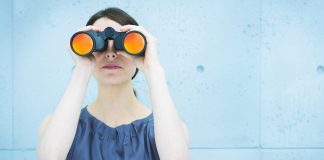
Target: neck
(117, 99)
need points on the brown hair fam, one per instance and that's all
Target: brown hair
(117, 15)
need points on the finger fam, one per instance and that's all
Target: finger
(92, 27)
(68, 47)
(140, 29)
(92, 58)
(127, 27)
(87, 28)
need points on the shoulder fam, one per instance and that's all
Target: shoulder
(183, 124)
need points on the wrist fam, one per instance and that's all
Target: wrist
(154, 68)
(82, 71)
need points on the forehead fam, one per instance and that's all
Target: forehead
(104, 22)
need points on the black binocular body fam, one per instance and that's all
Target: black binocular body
(84, 43)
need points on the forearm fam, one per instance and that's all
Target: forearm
(60, 131)
(169, 133)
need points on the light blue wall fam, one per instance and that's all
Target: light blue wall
(247, 77)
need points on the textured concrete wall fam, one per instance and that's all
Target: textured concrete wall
(246, 76)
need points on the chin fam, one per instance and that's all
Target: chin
(113, 80)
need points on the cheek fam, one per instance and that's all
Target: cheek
(95, 73)
(98, 56)
(128, 70)
(131, 67)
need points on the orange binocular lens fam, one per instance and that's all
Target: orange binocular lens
(82, 43)
(134, 42)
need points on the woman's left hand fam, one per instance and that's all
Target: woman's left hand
(148, 62)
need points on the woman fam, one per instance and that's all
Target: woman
(116, 125)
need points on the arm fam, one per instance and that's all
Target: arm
(57, 131)
(171, 134)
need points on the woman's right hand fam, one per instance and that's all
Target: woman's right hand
(86, 63)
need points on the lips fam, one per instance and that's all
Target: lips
(111, 66)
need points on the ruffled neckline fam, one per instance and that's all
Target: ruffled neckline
(134, 122)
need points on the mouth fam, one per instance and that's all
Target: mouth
(111, 66)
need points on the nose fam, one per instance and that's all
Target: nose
(110, 52)
(110, 55)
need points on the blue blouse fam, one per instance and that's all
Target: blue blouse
(94, 140)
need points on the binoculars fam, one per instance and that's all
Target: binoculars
(84, 43)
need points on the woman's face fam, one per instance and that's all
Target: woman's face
(109, 56)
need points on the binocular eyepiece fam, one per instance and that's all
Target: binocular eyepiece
(84, 43)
